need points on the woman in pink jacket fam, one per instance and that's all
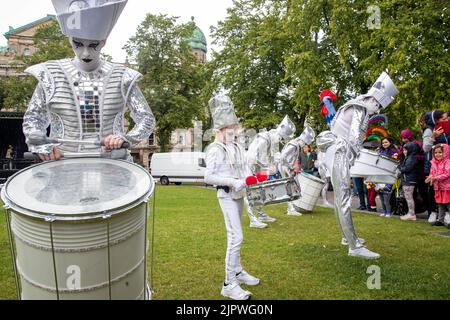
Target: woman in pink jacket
(440, 178)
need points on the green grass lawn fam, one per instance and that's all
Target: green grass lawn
(296, 257)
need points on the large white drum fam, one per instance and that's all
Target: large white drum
(80, 229)
(371, 163)
(311, 190)
(273, 192)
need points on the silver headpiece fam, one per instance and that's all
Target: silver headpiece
(384, 90)
(222, 111)
(88, 19)
(286, 129)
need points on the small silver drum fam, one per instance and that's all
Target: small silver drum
(311, 190)
(370, 163)
(273, 192)
(80, 229)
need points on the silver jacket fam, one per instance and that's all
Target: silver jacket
(264, 151)
(85, 106)
(290, 152)
(225, 163)
(289, 156)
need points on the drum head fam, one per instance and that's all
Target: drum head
(77, 187)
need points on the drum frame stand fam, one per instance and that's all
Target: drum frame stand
(50, 221)
(12, 251)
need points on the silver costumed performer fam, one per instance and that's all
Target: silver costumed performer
(289, 156)
(85, 98)
(342, 145)
(226, 169)
(263, 154)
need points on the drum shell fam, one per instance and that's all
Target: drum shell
(273, 192)
(84, 246)
(80, 239)
(370, 163)
(311, 189)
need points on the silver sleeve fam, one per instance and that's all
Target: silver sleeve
(36, 121)
(142, 116)
(358, 128)
(288, 157)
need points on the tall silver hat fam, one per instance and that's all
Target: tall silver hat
(88, 19)
(384, 90)
(286, 128)
(222, 111)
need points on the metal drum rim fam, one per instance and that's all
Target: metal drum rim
(312, 177)
(373, 152)
(74, 217)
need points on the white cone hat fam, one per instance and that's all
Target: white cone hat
(88, 19)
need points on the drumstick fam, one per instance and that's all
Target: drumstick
(36, 140)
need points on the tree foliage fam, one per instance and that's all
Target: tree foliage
(172, 76)
(278, 55)
(51, 44)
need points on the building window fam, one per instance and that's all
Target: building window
(151, 140)
(181, 140)
(27, 52)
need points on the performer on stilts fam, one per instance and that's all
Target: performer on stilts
(341, 146)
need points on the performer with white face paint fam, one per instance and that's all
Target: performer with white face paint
(85, 98)
(289, 156)
(263, 154)
(342, 145)
(226, 168)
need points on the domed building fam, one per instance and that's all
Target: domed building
(198, 43)
(189, 140)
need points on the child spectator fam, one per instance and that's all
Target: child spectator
(440, 178)
(409, 175)
(371, 196)
(432, 135)
(387, 149)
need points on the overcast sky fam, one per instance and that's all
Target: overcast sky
(17, 13)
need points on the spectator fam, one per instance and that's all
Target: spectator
(421, 196)
(371, 196)
(10, 156)
(409, 170)
(362, 191)
(431, 136)
(387, 149)
(440, 178)
(307, 159)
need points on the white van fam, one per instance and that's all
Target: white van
(178, 167)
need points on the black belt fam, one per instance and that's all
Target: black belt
(225, 188)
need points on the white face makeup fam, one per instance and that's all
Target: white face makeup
(372, 105)
(87, 53)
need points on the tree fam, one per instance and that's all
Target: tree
(172, 76)
(252, 63)
(303, 46)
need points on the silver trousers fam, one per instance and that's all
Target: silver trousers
(232, 212)
(340, 179)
